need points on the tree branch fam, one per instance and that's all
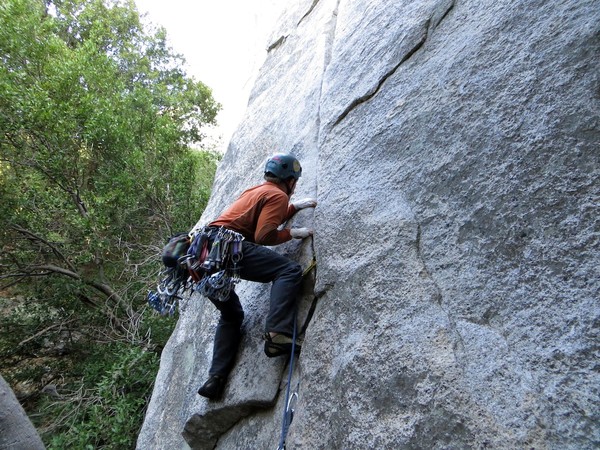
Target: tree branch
(44, 331)
(108, 291)
(51, 269)
(31, 235)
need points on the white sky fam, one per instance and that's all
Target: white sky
(224, 43)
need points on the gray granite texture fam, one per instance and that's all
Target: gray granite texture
(454, 148)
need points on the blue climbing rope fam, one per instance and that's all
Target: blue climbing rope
(288, 412)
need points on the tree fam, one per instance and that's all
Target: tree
(95, 119)
(96, 122)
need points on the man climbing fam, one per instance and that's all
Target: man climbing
(257, 215)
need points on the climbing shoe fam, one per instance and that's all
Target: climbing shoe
(279, 345)
(213, 388)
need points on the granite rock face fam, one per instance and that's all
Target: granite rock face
(16, 430)
(454, 148)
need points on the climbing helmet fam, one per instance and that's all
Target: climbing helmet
(283, 166)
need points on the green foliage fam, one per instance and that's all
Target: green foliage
(96, 118)
(107, 414)
(97, 121)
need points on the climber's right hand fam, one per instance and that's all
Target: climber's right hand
(301, 233)
(305, 203)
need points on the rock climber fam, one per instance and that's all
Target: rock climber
(258, 214)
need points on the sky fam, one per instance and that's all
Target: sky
(224, 43)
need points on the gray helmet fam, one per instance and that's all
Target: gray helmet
(283, 166)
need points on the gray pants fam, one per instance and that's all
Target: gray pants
(262, 265)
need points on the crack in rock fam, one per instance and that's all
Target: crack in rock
(443, 15)
(429, 25)
(418, 243)
(277, 43)
(459, 343)
(332, 26)
(312, 7)
(311, 312)
(372, 92)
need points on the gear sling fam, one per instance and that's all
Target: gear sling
(205, 261)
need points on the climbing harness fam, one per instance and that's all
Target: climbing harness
(205, 261)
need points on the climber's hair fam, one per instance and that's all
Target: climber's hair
(272, 178)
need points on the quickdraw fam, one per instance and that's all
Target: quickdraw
(210, 267)
(217, 286)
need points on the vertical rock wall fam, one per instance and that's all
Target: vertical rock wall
(454, 147)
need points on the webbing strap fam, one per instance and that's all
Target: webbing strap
(310, 267)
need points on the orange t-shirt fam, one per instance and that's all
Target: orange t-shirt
(257, 214)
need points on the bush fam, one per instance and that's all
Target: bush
(107, 413)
